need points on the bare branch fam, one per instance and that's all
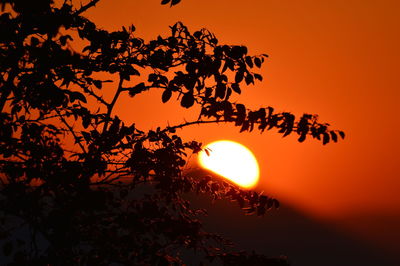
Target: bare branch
(91, 4)
(111, 105)
(71, 130)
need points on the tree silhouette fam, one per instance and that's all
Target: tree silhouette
(80, 186)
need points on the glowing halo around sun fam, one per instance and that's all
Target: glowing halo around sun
(232, 161)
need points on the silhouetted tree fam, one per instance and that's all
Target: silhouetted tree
(80, 186)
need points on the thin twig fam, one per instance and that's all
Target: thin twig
(111, 106)
(72, 131)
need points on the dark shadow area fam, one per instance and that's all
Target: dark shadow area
(305, 241)
(382, 229)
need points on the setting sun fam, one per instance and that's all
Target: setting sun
(231, 160)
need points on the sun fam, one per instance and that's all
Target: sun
(232, 161)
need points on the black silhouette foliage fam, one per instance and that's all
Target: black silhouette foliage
(89, 189)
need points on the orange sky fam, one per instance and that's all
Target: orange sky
(338, 59)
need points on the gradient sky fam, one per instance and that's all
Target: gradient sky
(338, 59)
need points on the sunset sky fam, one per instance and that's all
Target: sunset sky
(338, 59)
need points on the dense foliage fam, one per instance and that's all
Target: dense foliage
(80, 186)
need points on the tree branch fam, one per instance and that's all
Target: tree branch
(111, 106)
(198, 122)
(92, 3)
(71, 130)
(100, 99)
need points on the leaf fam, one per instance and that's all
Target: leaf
(98, 84)
(189, 84)
(334, 136)
(164, 2)
(136, 42)
(166, 95)
(249, 61)
(258, 76)
(244, 49)
(197, 34)
(326, 138)
(241, 109)
(257, 61)
(214, 41)
(74, 95)
(187, 100)
(236, 88)
(152, 77)
(342, 135)
(241, 114)
(231, 64)
(125, 76)
(228, 110)
(245, 126)
(220, 90)
(191, 67)
(175, 2)
(239, 76)
(236, 52)
(302, 137)
(249, 79)
(85, 121)
(137, 89)
(130, 70)
(64, 39)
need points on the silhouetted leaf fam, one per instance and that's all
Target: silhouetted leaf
(228, 111)
(98, 84)
(236, 88)
(187, 100)
(249, 61)
(175, 2)
(258, 76)
(220, 90)
(241, 114)
(249, 79)
(74, 95)
(326, 138)
(239, 76)
(237, 52)
(197, 34)
(302, 137)
(166, 95)
(137, 89)
(334, 136)
(245, 126)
